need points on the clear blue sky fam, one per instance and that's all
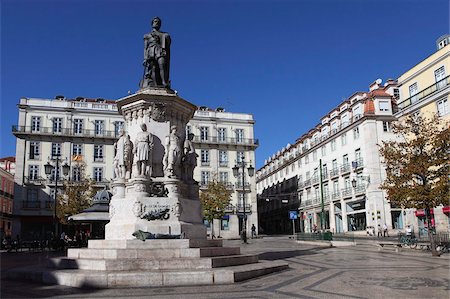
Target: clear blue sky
(286, 62)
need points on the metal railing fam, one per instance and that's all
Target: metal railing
(239, 185)
(336, 195)
(345, 168)
(361, 188)
(334, 172)
(34, 180)
(346, 192)
(63, 132)
(31, 204)
(315, 179)
(358, 163)
(234, 141)
(424, 93)
(240, 207)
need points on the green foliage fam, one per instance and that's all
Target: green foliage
(76, 197)
(214, 200)
(417, 163)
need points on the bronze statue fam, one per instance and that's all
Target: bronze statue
(156, 57)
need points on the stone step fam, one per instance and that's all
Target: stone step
(151, 264)
(155, 253)
(153, 244)
(133, 279)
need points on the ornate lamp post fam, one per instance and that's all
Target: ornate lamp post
(251, 172)
(48, 171)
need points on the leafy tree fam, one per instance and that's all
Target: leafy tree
(77, 195)
(214, 201)
(417, 164)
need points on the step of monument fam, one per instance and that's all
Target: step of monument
(153, 243)
(140, 278)
(151, 264)
(154, 253)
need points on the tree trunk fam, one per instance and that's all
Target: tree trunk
(434, 252)
(212, 228)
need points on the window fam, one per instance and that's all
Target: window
(76, 174)
(240, 157)
(413, 90)
(315, 155)
(239, 135)
(77, 149)
(223, 177)
(204, 179)
(98, 153)
(386, 126)
(77, 126)
(118, 125)
(306, 159)
(357, 112)
(344, 139)
(33, 172)
(384, 105)
(308, 175)
(324, 150)
(222, 132)
(35, 123)
(204, 155)
(204, 133)
(345, 159)
(225, 224)
(442, 107)
(335, 186)
(98, 174)
(356, 133)
(32, 195)
(34, 150)
(334, 163)
(316, 193)
(358, 154)
(396, 93)
(223, 158)
(188, 130)
(333, 145)
(347, 183)
(56, 149)
(439, 75)
(99, 127)
(344, 120)
(57, 125)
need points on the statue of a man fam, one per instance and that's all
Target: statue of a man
(156, 57)
(189, 158)
(128, 157)
(143, 148)
(119, 159)
(172, 153)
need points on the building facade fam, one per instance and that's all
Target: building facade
(424, 89)
(84, 130)
(222, 140)
(338, 161)
(6, 196)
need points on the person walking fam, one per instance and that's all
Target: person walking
(253, 231)
(379, 234)
(385, 230)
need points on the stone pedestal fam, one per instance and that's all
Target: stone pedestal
(162, 202)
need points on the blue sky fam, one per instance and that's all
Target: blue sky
(286, 62)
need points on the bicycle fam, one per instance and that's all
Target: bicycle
(408, 240)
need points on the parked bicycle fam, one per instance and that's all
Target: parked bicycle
(408, 240)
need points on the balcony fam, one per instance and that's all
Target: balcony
(229, 208)
(32, 205)
(359, 189)
(307, 182)
(20, 131)
(358, 163)
(228, 185)
(315, 180)
(345, 168)
(336, 195)
(424, 93)
(334, 172)
(34, 180)
(205, 163)
(325, 175)
(223, 163)
(347, 192)
(239, 186)
(240, 208)
(101, 183)
(228, 141)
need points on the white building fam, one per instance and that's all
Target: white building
(85, 130)
(344, 147)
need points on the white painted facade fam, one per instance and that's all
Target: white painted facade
(346, 144)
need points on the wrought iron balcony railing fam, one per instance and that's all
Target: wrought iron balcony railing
(346, 192)
(345, 168)
(240, 208)
(234, 141)
(20, 130)
(334, 172)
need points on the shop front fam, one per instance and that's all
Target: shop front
(356, 215)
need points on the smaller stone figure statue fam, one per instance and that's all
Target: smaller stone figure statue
(172, 153)
(119, 159)
(128, 157)
(143, 148)
(189, 159)
(156, 57)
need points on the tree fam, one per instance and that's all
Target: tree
(417, 165)
(214, 201)
(77, 195)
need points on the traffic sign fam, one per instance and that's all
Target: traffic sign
(293, 215)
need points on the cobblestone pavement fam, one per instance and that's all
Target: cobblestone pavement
(345, 272)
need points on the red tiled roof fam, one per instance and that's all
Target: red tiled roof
(11, 159)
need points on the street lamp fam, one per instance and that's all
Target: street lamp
(251, 172)
(48, 171)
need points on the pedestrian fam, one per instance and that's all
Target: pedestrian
(253, 231)
(379, 234)
(385, 230)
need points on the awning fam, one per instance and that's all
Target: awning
(421, 213)
(446, 210)
(93, 216)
